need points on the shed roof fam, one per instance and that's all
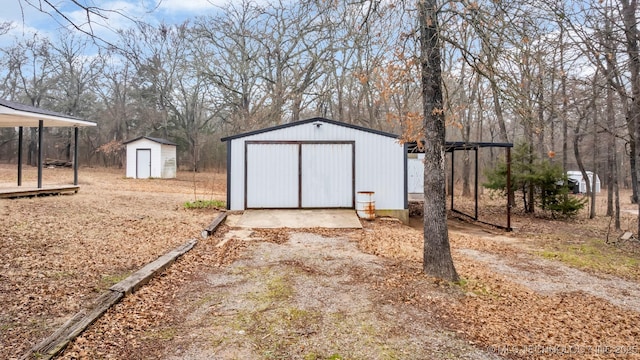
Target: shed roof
(158, 140)
(307, 121)
(14, 114)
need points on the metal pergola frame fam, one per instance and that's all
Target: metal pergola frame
(452, 147)
(16, 115)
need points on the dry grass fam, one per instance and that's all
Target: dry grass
(59, 252)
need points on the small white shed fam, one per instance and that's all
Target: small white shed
(316, 163)
(151, 157)
(582, 184)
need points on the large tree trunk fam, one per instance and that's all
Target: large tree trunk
(466, 137)
(613, 195)
(631, 33)
(611, 120)
(437, 252)
(592, 209)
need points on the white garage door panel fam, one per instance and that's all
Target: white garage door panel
(272, 175)
(327, 175)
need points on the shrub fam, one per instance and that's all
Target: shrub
(546, 179)
(204, 204)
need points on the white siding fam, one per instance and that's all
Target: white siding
(168, 162)
(272, 176)
(415, 174)
(327, 175)
(379, 160)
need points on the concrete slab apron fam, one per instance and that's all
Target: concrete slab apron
(300, 218)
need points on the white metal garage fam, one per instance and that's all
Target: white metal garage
(316, 163)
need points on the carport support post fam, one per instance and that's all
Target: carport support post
(453, 152)
(40, 128)
(75, 155)
(476, 185)
(20, 131)
(509, 190)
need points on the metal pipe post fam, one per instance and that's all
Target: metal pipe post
(75, 156)
(20, 133)
(40, 128)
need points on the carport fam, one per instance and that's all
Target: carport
(451, 147)
(16, 115)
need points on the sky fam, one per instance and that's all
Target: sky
(26, 19)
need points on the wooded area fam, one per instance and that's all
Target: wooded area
(559, 76)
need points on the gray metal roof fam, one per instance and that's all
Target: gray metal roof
(158, 140)
(450, 146)
(14, 114)
(307, 121)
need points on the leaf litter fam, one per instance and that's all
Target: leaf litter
(491, 312)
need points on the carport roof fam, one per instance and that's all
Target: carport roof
(14, 114)
(450, 146)
(307, 121)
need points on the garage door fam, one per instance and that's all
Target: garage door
(327, 175)
(300, 175)
(272, 176)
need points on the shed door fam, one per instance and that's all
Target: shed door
(327, 175)
(272, 176)
(143, 163)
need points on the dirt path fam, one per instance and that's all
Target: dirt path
(311, 297)
(546, 276)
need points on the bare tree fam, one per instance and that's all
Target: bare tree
(630, 21)
(230, 43)
(33, 69)
(76, 74)
(437, 252)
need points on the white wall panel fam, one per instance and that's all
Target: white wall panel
(168, 164)
(415, 174)
(379, 160)
(272, 176)
(327, 175)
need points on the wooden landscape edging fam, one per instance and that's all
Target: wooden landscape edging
(142, 276)
(58, 341)
(214, 225)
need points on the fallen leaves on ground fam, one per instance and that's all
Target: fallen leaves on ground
(494, 312)
(61, 252)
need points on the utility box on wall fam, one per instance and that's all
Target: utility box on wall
(151, 157)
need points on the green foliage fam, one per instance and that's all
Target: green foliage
(204, 204)
(595, 255)
(546, 179)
